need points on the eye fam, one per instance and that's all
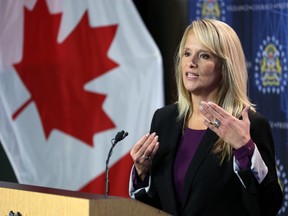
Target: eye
(204, 56)
(186, 54)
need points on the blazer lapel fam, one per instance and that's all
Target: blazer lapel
(165, 181)
(202, 152)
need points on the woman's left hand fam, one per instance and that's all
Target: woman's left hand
(232, 130)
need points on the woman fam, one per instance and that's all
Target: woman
(210, 153)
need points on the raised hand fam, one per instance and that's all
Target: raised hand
(232, 130)
(143, 153)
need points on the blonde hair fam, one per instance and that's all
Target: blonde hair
(224, 43)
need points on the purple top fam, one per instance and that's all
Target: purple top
(188, 145)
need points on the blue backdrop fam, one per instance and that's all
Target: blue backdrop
(262, 26)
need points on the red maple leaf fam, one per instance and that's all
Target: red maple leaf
(55, 74)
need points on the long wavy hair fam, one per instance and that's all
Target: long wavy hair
(221, 40)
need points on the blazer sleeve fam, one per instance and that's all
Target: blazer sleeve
(265, 198)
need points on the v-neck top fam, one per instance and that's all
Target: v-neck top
(187, 148)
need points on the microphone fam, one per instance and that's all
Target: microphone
(119, 136)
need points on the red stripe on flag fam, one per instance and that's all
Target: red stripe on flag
(118, 179)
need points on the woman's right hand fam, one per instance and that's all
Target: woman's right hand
(143, 153)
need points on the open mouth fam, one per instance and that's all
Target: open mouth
(191, 75)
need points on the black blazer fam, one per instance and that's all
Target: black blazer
(211, 189)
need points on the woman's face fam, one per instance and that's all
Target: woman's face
(200, 68)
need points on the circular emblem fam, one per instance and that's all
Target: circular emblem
(212, 9)
(270, 67)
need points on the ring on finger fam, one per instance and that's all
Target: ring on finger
(216, 123)
(147, 157)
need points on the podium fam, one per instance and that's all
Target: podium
(35, 201)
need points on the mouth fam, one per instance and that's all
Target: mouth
(191, 75)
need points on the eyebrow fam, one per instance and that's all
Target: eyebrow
(200, 50)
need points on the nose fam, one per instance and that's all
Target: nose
(192, 63)
(193, 59)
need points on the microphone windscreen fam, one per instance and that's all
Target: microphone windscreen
(125, 134)
(119, 136)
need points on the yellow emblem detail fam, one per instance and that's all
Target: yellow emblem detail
(270, 66)
(211, 9)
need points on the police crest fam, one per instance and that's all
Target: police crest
(270, 68)
(212, 9)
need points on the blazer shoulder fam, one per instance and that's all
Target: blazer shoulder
(257, 118)
(171, 109)
(166, 115)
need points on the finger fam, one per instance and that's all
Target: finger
(204, 108)
(210, 125)
(148, 151)
(217, 110)
(139, 143)
(140, 154)
(156, 147)
(210, 111)
(153, 148)
(214, 119)
(145, 159)
(245, 114)
(147, 142)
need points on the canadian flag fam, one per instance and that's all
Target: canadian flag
(72, 74)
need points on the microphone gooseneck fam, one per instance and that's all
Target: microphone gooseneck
(119, 136)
